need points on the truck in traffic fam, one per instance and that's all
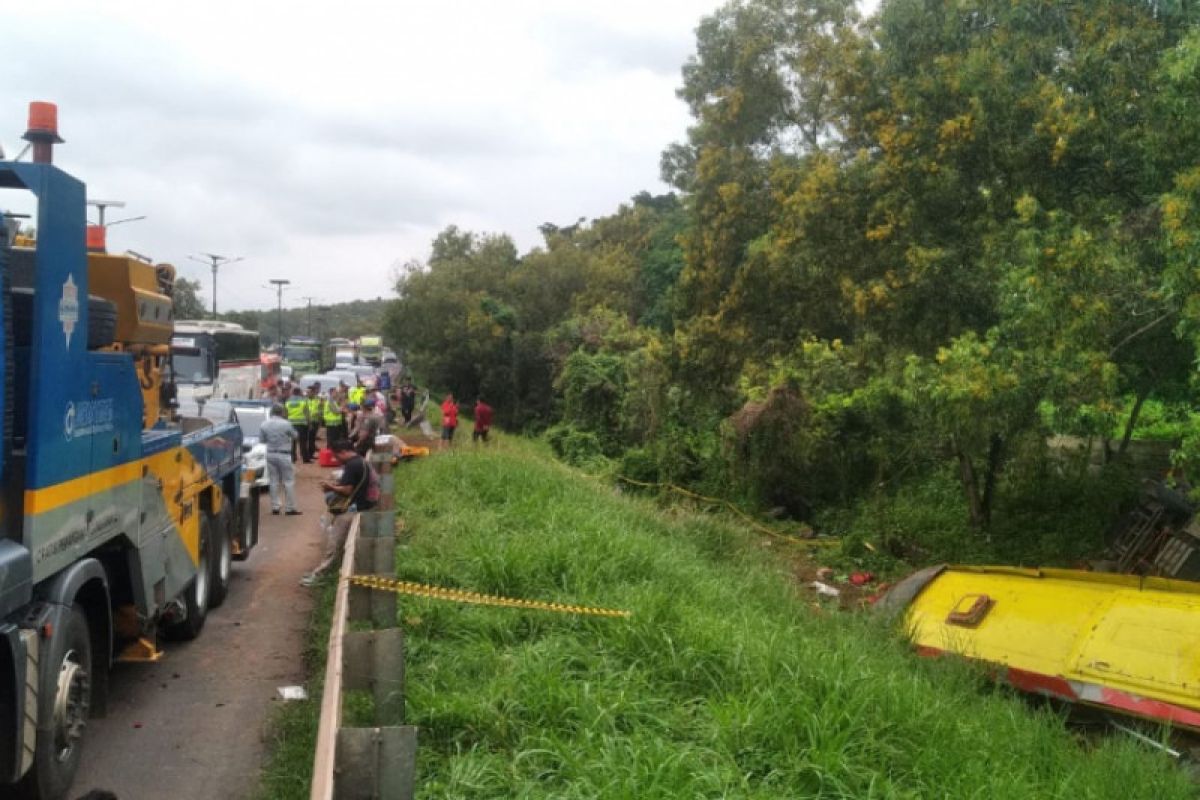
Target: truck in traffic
(370, 350)
(121, 519)
(340, 352)
(302, 354)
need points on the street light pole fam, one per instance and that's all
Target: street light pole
(309, 299)
(279, 284)
(214, 260)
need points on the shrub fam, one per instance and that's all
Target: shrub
(579, 448)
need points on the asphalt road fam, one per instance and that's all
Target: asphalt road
(191, 726)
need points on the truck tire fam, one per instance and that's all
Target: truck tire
(247, 524)
(65, 677)
(222, 555)
(102, 322)
(198, 593)
(102, 319)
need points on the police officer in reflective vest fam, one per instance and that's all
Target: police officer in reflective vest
(315, 407)
(335, 424)
(358, 393)
(297, 414)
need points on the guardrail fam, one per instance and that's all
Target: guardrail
(378, 761)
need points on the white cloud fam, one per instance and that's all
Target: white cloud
(325, 143)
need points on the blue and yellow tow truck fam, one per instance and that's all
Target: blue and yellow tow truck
(118, 519)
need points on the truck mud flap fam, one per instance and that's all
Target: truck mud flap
(18, 700)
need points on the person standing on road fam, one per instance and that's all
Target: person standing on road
(279, 435)
(449, 421)
(408, 400)
(297, 414)
(316, 413)
(370, 425)
(335, 423)
(353, 416)
(483, 421)
(351, 488)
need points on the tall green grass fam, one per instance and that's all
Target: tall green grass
(727, 682)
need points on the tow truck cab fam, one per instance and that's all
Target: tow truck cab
(117, 517)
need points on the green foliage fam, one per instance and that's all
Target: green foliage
(349, 320)
(578, 447)
(905, 246)
(187, 299)
(1047, 515)
(592, 385)
(723, 683)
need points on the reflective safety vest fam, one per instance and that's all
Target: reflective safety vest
(333, 414)
(357, 394)
(295, 410)
(314, 410)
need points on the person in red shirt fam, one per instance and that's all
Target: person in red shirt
(449, 420)
(483, 420)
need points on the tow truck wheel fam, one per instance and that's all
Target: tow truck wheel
(247, 524)
(197, 595)
(222, 558)
(65, 677)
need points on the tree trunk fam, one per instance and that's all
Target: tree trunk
(970, 484)
(1131, 423)
(995, 454)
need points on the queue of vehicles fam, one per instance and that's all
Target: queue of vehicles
(123, 514)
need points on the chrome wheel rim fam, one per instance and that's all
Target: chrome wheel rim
(202, 576)
(72, 699)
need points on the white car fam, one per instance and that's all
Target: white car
(345, 375)
(326, 382)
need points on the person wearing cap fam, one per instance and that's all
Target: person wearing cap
(353, 486)
(370, 425)
(316, 417)
(297, 414)
(332, 416)
(279, 435)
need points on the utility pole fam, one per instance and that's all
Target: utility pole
(214, 260)
(309, 299)
(279, 284)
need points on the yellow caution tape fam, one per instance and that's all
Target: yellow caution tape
(461, 596)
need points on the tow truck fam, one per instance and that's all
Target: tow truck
(118, 519)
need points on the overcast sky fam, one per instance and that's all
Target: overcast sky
(326, 143)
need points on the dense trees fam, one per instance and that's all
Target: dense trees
(906, 245)
(350, 320)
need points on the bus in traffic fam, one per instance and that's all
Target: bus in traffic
(214, 360)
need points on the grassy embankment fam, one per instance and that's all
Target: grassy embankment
(727, 682)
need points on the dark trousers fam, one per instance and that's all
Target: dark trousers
(300, 442)
(311, 442)
(333, 433)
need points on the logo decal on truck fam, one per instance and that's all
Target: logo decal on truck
(87, 418)
(68, 307)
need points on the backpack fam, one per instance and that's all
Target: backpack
(374, 492)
